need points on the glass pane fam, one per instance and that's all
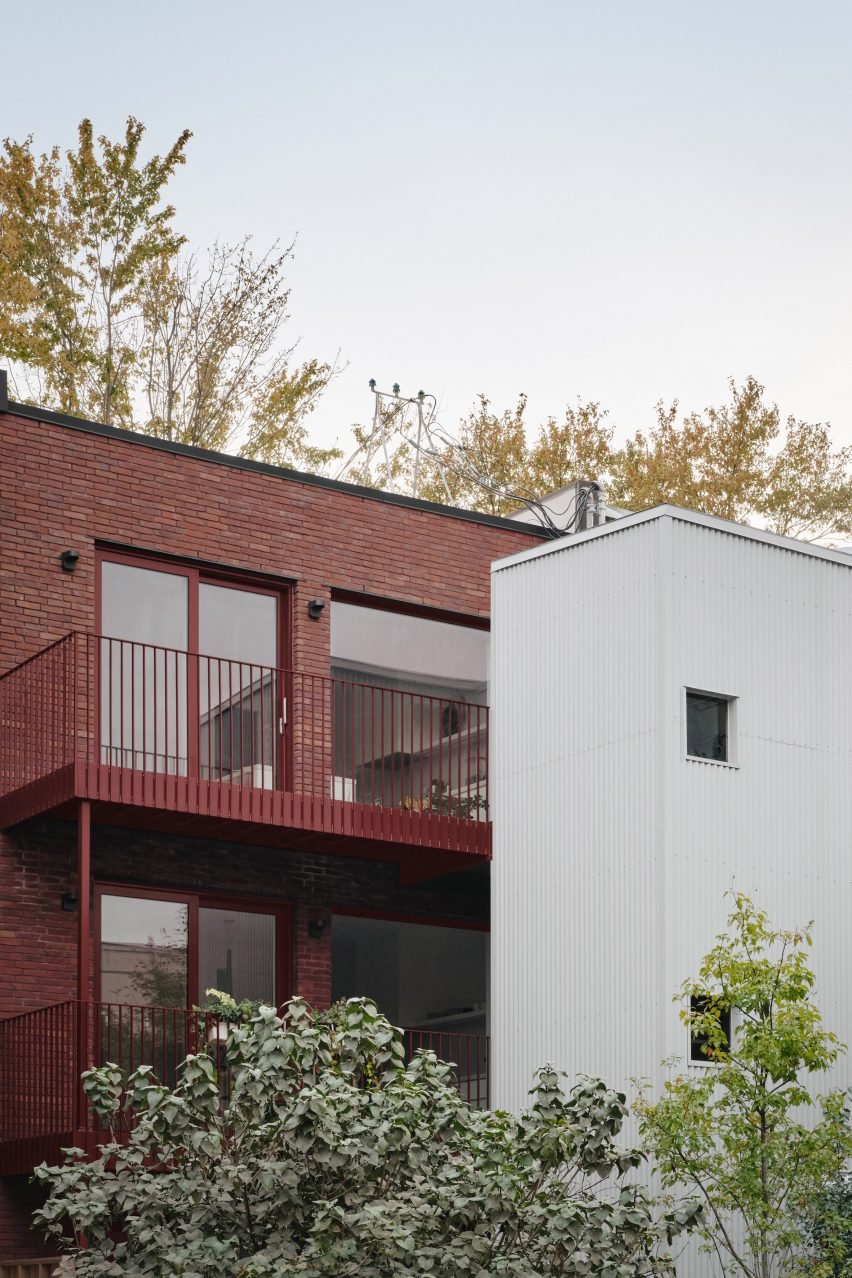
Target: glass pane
(706, 726)
(240, 624)
(143, 668)
(409, 651)
(420, 976)
(144, 971)
(144, 951)
(410, 728)
(236, 953)
(144, 605)
(238, 685)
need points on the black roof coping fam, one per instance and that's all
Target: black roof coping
(264, 468)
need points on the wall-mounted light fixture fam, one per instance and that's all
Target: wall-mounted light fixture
(68, 559)
(316, 927)
(69, 902)
(315, 609)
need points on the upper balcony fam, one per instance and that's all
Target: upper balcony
(201, 745)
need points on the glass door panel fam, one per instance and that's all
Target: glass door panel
(239, 694)
(144, 951)
(143, 668)
(144, 978)
(236, 953)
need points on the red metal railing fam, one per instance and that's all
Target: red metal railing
(44, 1052)
(38, 715)
(468, 1053)
(165, 713)
(39, 1068)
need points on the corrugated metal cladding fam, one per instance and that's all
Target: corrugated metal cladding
(612, 851)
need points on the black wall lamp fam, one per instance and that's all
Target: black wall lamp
(69, 902)
(315, 609)
(316, 927)
(68, 559)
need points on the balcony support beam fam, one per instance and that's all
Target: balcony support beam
(84, 901)
(84, 949)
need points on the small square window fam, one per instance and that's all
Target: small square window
(708, 726)
(699, 1052)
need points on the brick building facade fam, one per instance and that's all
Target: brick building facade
(110, 496)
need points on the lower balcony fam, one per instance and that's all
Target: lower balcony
(44, 1052)
(207, 746)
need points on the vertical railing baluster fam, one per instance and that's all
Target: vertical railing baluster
(144, 710)
(259, 762)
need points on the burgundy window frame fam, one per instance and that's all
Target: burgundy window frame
(427, 612)
(281, 910)
(424, 920)
(198, 575)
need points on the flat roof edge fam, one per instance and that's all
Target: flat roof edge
(51, 418)
(680, 515)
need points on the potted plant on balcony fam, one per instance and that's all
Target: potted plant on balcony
(227, 1011)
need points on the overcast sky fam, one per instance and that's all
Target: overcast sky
(615, 200)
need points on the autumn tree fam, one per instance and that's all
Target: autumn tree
(740, 460)
(482, 466)
(578, 447)
(76, 242)
(106, 312)
(213, 370)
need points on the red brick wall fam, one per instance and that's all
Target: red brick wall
(66, 488)
(37, 859)
(38, 941)
(63, 488)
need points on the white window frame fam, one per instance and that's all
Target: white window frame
(732, 760)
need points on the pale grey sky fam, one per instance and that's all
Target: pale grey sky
(610, 199)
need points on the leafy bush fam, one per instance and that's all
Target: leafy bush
(828, 1232)
(335, 1158)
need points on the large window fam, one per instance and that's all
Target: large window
(158, 952)
(410, 717)
(189, 673)
(166, 949)
(422, 976)
(403, 651)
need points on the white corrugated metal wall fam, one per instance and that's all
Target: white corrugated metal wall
(612, 851)
(575, 899)
(772, 627)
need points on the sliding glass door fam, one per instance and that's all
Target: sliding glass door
(143, 668)
(158, 954)
(239, 698)
(189, 673)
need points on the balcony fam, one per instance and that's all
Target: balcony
(44, 1052)
(202, 745)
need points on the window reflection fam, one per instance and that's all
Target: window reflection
(236, 953)
(145, 623)
(410, 724)
(144, 951)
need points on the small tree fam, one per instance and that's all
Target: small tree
(334, 1157)
(740, 1132)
